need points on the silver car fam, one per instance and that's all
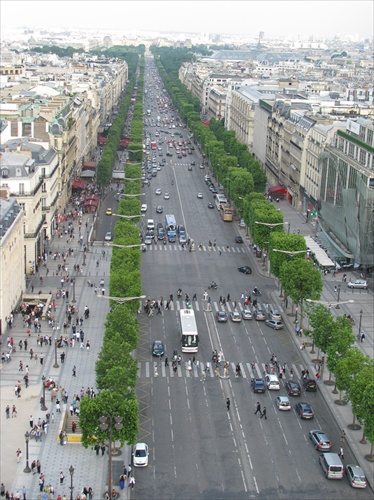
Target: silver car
(358, 284)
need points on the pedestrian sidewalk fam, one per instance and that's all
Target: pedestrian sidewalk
(362, 309)
(89, 470)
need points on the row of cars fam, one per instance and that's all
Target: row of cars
(275, 320)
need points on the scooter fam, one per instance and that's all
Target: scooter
(213, 285)
(256, 292)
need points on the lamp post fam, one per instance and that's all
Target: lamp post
(360, 323)
(338, 298)
(105, 424)
(27, 468)
(42, 403)
(56, 365)
(129, 216)
(122, 246)
(73, 285)
(121, 300)
(71, 487)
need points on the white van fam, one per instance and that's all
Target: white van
(332, 465)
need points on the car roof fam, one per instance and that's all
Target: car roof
(283, 398)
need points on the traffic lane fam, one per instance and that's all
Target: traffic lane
(105, 223)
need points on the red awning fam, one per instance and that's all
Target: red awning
(90, 203)
(277, 190)
(89, 165)
(79, 184)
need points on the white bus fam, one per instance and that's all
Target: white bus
(189, 333)
(220, 200)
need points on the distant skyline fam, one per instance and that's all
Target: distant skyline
(293, 18)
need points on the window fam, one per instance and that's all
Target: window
(21, 188)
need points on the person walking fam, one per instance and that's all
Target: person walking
(263, 414)
(19, 455)
(74, 371)
(341, 453)
(342, 436)
(131, 482)
(7, 411)
(228, 403)
(258, 408)
(102, 449)
(62, 477)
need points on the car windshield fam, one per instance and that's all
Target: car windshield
(140, 453)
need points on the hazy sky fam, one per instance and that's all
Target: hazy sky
(274, 17)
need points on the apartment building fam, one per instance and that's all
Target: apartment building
(12, 262)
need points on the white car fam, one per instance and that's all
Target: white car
(144, 207)
(108, 236)
(200, 196)
(158, 191)
(275, 314)
(283, 403)
(140, 455)
(272, 382)
(166, 196)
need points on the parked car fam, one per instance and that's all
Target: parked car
(320, 440)
(258, 385)
(304, 410)
(283, 403)
(140, 455)
(358, 284)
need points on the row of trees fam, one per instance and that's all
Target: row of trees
(352, 369)
(116, 369)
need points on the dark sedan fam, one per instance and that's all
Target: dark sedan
(310, 385)
(304, 410)
(210, 205)
(158, 348)
(293, 388)
(245, 269)
(258, 385)
(238, 239)
(222, 317)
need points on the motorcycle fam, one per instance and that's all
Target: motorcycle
(179, 293)
(256, 292)
(213, 285)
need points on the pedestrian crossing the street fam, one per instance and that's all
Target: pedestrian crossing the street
(149, 369)
(160, 247)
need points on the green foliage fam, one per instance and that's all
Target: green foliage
(121, 321)
(289, 243)
(300, 281)
(108, 404)
(348, 367)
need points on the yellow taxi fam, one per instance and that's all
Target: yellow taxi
(108, 211)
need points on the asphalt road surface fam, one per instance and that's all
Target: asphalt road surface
(198, 448)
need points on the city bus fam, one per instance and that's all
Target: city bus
(171, 227)
(189, 333)
(226, 212)
(220, 199)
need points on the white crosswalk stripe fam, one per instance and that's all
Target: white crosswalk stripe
(216, 306)
(169, 248)
(146, 369)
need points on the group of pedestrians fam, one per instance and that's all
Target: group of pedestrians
(261, 412)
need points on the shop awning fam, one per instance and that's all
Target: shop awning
(277, 190)
(89, 165)
(319, 255)
(79, 184)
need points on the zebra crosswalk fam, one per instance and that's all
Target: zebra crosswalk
(197, 305)
(148, 369)
(160, 247)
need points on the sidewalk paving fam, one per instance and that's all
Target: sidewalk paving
(89, 470)
(363, 301)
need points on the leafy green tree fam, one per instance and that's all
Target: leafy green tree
(340, 341)
(347, 368)
(300, 281)
(108, 404)
(121, 321)
(285, 242)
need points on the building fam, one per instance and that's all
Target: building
(12, 262)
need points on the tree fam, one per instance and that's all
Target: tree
(121, 321)
(108, 404)
(300, 281)
(289, 243)
(347, 368)
(340, 340)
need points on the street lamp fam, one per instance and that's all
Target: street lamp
(291, 253)
(271, 225)
(121, 300)
(360, 323)
(56, 365)
(27, 468)
(73, 285)
(124, 195)
(107, 244)
(117, 424)
(337, 305)
(71, 487)
(42, 402)
(129, 216)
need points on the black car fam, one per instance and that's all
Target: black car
(258, 385)
(169, 154)
(310, 385)
(159, 209)
(158, 348)
(245, 269)
(238, 239)
(293, 388)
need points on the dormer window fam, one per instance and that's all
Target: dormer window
(5, 172)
